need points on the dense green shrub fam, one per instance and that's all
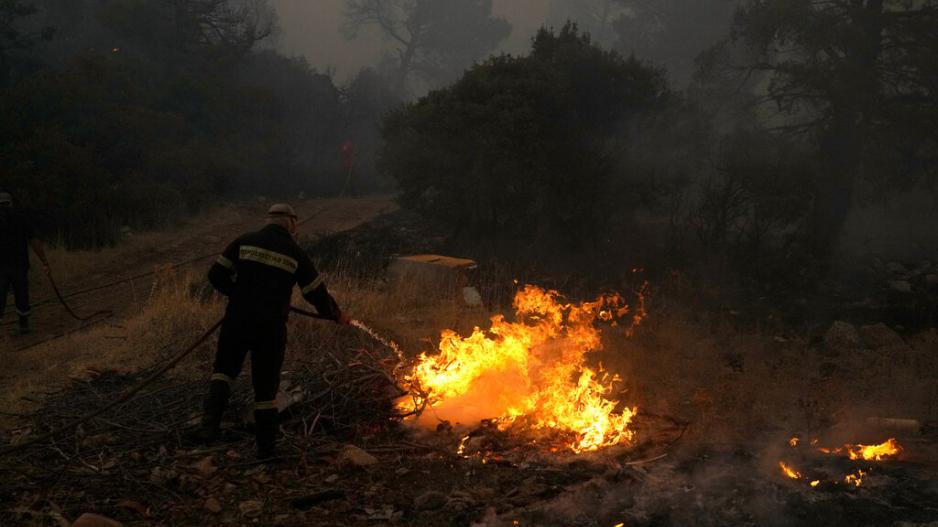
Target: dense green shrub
(524, 147)
(138, 112)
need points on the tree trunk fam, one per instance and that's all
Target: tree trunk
(854, 99)
(407, 59)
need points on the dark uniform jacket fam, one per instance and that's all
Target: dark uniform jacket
(15, 233)
(257, 273)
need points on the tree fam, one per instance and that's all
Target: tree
(13, 37)
(140, 111)
(858, 79)
(592, 16)
(524, 147)
(367, 99)
(177, 32)
(435, 40)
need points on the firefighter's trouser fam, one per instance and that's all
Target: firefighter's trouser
(266, 343)
(18, 280)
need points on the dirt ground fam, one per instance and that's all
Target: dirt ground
(717, 404)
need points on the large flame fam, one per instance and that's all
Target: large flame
(530, 372)
(885, 450)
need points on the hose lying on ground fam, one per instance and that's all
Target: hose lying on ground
(120, 400)
(58, 295)
(136, 389)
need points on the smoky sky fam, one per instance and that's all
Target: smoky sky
(312, 29)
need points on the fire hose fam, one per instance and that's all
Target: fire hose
(58, 295)
(136, 389)
(177, 265)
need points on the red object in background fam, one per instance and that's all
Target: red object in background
(348, 153)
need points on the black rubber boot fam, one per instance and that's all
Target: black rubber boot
(267, 430)
(24, 328)
(213, 408)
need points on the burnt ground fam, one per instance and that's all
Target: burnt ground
(717, 405)
(132, 467)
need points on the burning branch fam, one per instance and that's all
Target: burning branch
(530, 373)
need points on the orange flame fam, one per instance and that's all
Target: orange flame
(531, 371)
(793, 441)
(855, 479)
(788, 471)
(888, 449)
(885, 450)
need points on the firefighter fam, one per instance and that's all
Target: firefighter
(257, 273)
(16, 236)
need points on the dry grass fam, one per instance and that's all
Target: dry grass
(74, 266)
(733, 386)
(736, 387)
(176, 311)
(170, 317)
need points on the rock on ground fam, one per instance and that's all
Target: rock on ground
(95, 520)
(842, 335)
(430, 500)
(901, 286)
(352, 455)
(881, 337)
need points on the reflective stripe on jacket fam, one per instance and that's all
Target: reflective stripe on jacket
(257, 272)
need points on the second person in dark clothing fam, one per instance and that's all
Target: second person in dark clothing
(16, 237)
(257, 273)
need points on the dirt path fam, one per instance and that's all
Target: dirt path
(196, 242)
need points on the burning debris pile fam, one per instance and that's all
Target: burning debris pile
(821, 472)
(528, 375)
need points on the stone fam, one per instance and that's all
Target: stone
(531, 487)
(311, 500)
(212, 505)
(471, 297)
(89, 519)
(459, 501)
(901, 286)
(881, 337)
(98, 440)
(430, 500)
(285, 399)
(896, 268)
(430, 274)
(133, 505)
(354, 456)
(842, 335)
(251, 508)
(205, 466)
